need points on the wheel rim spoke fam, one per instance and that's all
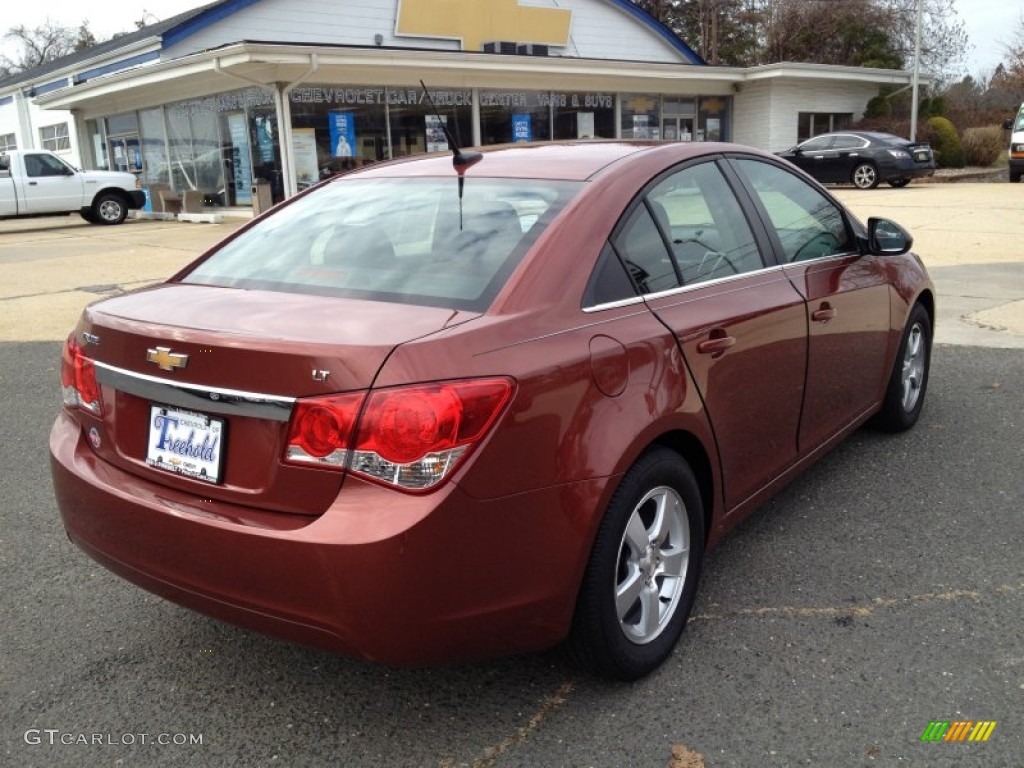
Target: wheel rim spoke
(650, 610)
(627, 593)
(636, 534)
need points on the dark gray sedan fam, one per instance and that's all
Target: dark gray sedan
(862, 158)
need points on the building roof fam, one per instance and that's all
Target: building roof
(179, 27)
(154, 32)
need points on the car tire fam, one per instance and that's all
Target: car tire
(908, 382)
(865, 176)
(88, 215)
(109, 208)
(1014, 177)
(898, 183)
(643, 572)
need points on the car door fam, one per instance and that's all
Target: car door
(848, 298)
(741, 326)
(50, 185)
(848, 153)
(815, 156)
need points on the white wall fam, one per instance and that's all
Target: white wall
(765, 111)
(24, 119)
(599, 29)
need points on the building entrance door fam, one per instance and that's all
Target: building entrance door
(677, 128)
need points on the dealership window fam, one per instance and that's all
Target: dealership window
(416, 128)
(641, 116)
(812, 123)
(55, 137)
(514, 116)
(713, 119)
(7, 142)
(583, 115)
(155, 164)
(335, 127)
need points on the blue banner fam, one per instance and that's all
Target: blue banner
(342, 126)
(522, 128)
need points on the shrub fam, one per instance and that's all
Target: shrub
(982, 146)
(878, 108)
(941, 134)
(933, 107)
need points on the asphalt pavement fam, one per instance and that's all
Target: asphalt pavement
(883, 590)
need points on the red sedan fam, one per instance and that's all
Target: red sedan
(431, 410)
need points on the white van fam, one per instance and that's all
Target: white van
(1016, 126)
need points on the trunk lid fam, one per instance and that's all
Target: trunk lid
(240, 359)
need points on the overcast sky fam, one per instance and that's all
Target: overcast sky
(990, 23)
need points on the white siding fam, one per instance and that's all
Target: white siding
(599, 29)
(766, 111)
(752, 115)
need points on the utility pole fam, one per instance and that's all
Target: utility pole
(917, 73)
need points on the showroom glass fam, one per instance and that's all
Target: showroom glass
(808, 224)
(410, 241)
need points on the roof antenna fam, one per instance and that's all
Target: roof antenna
(462, 160)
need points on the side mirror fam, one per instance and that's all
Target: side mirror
(887, 238)
(1007, 124)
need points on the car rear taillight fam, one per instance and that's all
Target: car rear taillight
(408, 437)
(78, 379)
(321, 430)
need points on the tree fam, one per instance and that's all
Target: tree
(850, 33)
(943, 36)
(45, 43)
(1008, 79)
(866, 33)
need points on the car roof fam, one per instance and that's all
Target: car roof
(872, 135)
(568, 161)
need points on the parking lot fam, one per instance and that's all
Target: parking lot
(883, 590)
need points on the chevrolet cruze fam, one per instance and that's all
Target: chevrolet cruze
(446, 408)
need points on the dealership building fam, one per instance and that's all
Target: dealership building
(262, 97)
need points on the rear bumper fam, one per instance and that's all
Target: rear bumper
(381, 575)
(907, 169)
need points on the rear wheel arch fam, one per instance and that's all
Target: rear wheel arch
(643, 569)
(693, 452)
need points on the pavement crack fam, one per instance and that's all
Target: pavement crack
(549, 705)
(858, 610)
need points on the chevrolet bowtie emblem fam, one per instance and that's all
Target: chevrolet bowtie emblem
(165, 359)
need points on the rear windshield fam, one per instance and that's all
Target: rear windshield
(402, 240)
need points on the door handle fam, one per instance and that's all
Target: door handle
(716, 345)
(824, 314)
(33, 183)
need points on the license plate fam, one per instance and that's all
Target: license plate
(921, 156)
(185, 442)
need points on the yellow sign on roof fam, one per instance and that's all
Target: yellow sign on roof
(475, 22)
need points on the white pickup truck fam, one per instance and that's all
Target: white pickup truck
(34, 182)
